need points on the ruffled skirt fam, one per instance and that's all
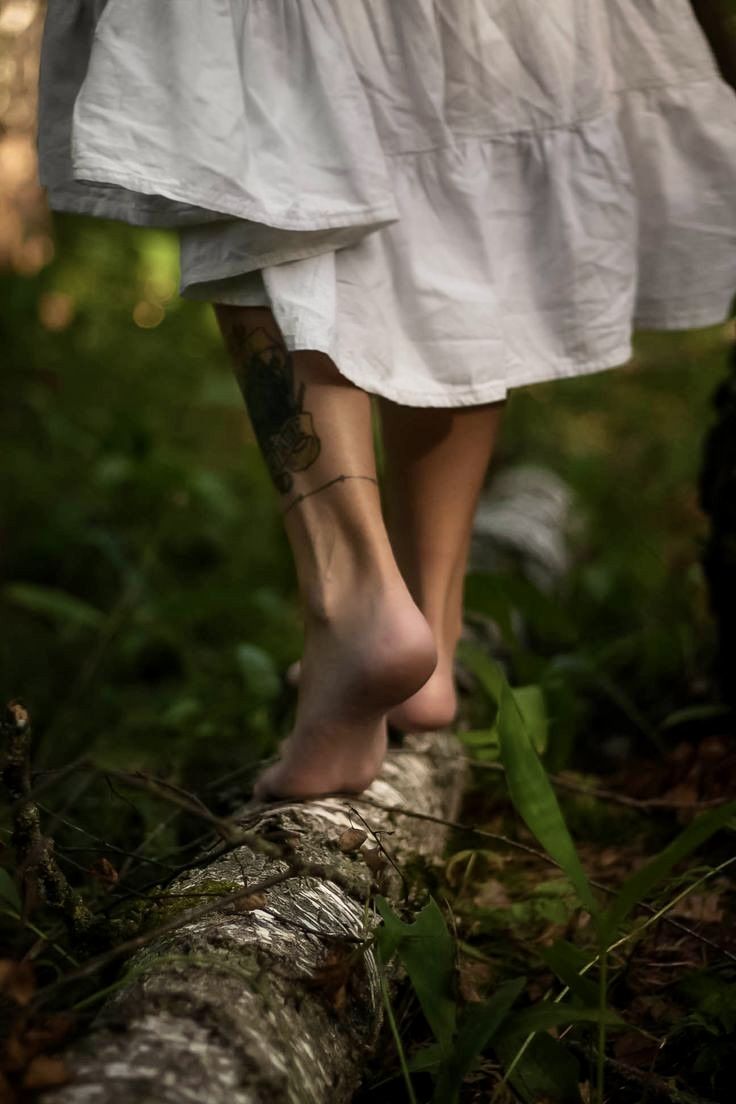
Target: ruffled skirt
(451, 198)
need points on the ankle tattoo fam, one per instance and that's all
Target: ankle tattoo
(338, 479)
(264, 369)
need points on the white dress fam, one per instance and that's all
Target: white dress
(449, 197)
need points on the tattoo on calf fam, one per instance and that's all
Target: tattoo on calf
(285, 431)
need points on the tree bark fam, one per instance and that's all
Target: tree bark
(279, 1003)
(718, 500)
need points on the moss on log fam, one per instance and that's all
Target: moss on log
(278, 1001)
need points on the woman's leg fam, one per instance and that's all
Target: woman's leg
(367, 646)
(436, 461)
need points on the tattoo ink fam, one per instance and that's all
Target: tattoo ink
(284, 429)
(330, 483)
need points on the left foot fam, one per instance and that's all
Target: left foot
(368, 654)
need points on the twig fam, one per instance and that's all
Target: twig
(176, 795)
(643, 803)
(115, 617)
(380, 845)
(544, 857)
(34, 850)
(459, 826)
(102, 844)
(296, 868)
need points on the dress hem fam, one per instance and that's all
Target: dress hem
(138, 213)
(91, 172)
(495, 391)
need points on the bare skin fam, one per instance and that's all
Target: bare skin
(367, 645)
(436, 461)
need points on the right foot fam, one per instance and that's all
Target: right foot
(370, 653)
(432, 706)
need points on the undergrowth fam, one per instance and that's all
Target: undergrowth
(149, 612)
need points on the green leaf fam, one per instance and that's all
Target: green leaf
(213, 492)
(529, 699)
(482, 744)
(549, 1014)
(695, 713)
(9, 891)
(567, 961)
(181, 711)
(54, 604)
(427, 952)
(258, 671)
(545, 1071)
(477, 1027)
(480, 737)
(529, 786)
(636, 888)
(426, 1060)
(488, 673)
(533, 709)
(499, 596)
(485, 594)
(710, 998)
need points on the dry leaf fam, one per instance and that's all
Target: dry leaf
(492, 894)
(15, 1053)
(7, 1092)
(103, 871)
(352, 839)
(473, 977)
(46, 1071)
(251, 902)
(17, 980)
(703, 907)
(374, 858)
(713, 747)
(635, 1050)
(684, 793)
(333, 976)
(48, 1032)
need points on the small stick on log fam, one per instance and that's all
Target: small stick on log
(274, 999)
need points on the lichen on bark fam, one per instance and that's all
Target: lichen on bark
(276, 1000)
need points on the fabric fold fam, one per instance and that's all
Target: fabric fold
(241, 110)
(451, 200)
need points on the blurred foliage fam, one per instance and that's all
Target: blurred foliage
(625, 646)
(148, 599)
(149, 612)
(147, 594)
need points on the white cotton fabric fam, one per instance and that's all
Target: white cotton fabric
(451, 198)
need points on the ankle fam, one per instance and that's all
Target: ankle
(350, 585)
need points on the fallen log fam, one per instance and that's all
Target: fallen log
(274, 998)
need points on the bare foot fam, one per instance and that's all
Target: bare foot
(370, 653)
(431, 707)
(434, 705)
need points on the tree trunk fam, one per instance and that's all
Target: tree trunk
(278, 1002)
(718, 500)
